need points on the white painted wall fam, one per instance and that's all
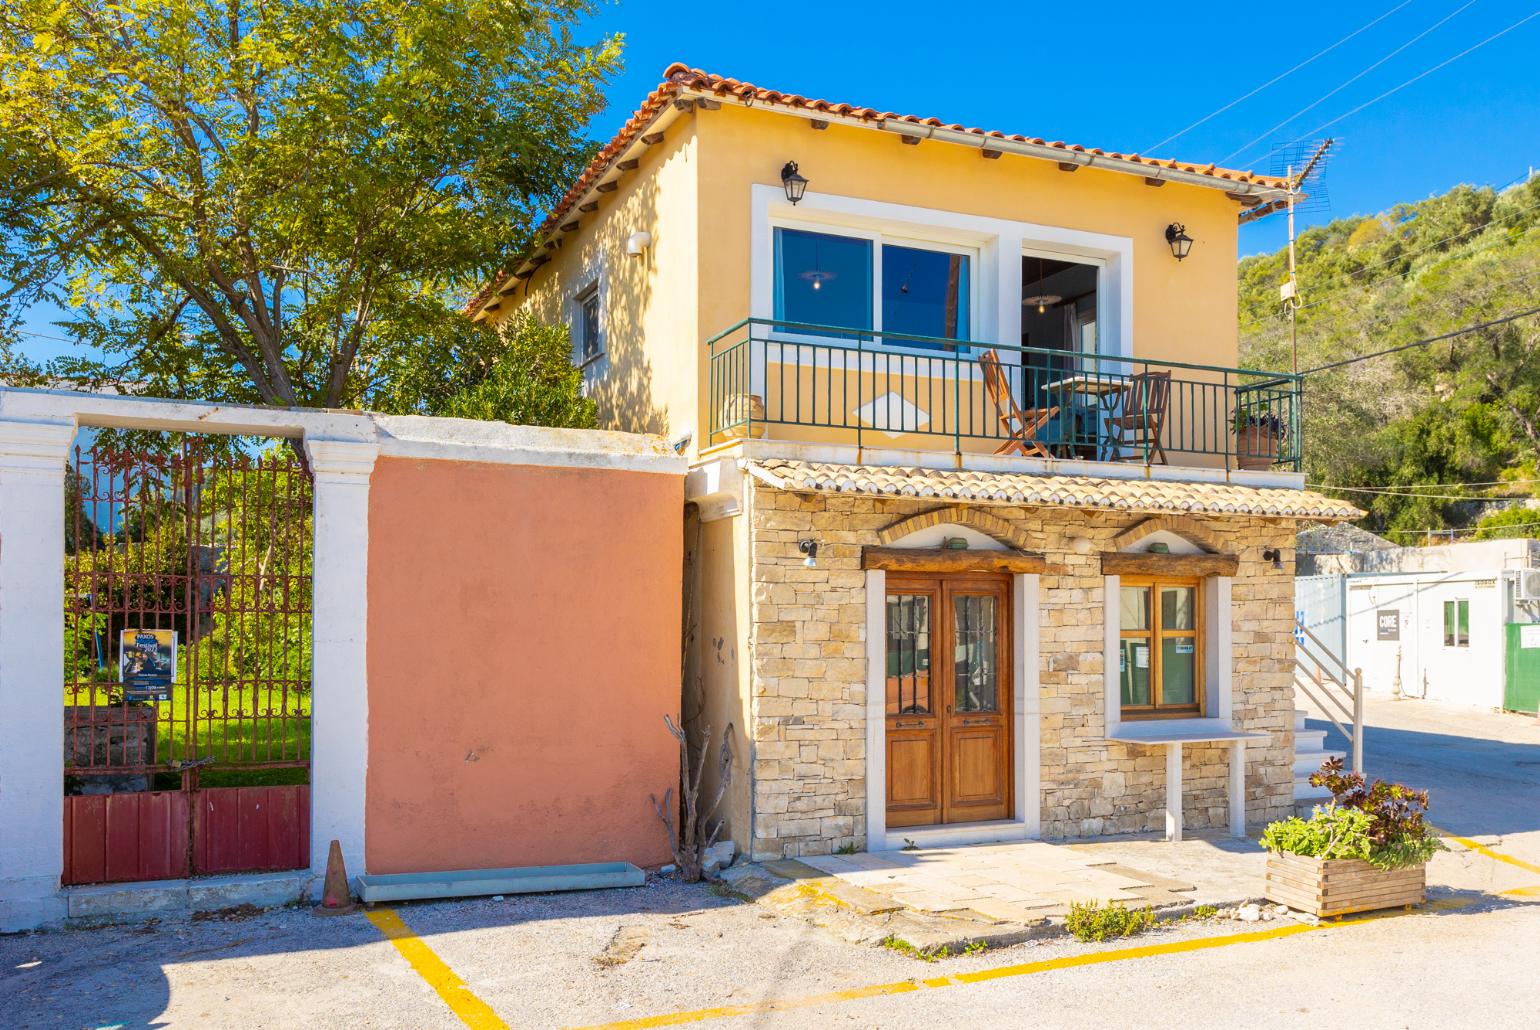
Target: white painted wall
(1470, 676)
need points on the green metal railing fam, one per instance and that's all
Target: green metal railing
(882, 386)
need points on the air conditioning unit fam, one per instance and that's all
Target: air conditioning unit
(1527, 586)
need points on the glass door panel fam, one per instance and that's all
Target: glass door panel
(975, 644)
(908, 654)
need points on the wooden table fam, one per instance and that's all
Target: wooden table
(1102, 393)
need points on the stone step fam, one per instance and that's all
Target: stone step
(1307, 762)
(1300, 715)
(118, 902)
(1303, 791)
(1309, 740)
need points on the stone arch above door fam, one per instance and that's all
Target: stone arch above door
(911, 531)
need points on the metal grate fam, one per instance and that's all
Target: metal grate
(209, 540)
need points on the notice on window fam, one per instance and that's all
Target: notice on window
(1141, 657)
(1529, 636)
(1184, 647)
(147, 663)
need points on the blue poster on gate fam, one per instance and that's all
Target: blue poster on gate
(147, 663)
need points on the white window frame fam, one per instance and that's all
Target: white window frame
(995, 281)
(879, 238)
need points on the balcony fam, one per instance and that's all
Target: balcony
(827, 384)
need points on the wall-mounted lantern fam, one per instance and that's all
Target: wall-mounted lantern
(1181, 243)
(809, 547)
(793, 181)
(1272, 554)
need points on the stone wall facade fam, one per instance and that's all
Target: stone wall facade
(807, 656)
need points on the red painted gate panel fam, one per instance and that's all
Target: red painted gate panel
(251, 829)
(115, 838)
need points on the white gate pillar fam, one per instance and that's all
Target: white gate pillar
(339, 699)
(33, 455)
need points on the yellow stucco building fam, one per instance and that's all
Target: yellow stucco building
(988, 537)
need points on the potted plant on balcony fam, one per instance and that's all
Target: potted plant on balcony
(1366, 849)
(1258, 437)
(743, 414)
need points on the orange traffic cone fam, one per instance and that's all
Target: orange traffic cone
(336, 899)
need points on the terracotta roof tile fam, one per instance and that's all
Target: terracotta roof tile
(1159, 497)
(678, 78)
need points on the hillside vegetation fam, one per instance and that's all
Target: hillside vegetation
(1463, 411)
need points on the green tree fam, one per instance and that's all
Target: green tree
(522, 374)
(1508, 523)
(1462, 411)
(273, 201)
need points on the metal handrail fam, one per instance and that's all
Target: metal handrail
(870, 335)
(778, 372)
(1349, 686)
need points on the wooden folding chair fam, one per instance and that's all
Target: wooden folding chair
(1021, 425)
(1143, 418)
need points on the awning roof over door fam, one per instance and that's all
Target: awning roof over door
(1022, 488)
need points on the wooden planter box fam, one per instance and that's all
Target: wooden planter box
(1338, 886)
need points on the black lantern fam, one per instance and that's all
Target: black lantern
(1181, 243)
(795, 184)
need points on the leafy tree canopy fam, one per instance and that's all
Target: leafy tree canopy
(1465, 411)
(277, 202)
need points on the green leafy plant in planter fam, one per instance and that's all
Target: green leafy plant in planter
(1381, 823)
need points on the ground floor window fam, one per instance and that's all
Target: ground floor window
(1160, 658)
(1457, 623)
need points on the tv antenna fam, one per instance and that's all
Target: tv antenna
(1289, 291)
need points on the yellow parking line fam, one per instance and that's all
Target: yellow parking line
(1494, 855)
(979, 976)
(473, 1012)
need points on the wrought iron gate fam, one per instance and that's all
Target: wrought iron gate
(187, 657)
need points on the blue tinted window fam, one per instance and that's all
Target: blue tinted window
(924, 293)
(822, 279)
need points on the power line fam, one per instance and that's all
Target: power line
(1425, 248)
(1397, 275)
(1425, 342)
(1408, 496)
(1277, 78)
(1416, 491)
(1417, 486)
(1346, 83)
(43, 336)
(1396, 89)
(1462, 529)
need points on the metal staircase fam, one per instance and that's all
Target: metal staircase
(1335, 690)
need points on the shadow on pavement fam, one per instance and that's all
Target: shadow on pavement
(1477, 785)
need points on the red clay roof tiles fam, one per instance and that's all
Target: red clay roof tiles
(679, 78)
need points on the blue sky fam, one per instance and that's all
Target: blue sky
(1123, 76)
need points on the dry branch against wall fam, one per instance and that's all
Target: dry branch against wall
(696, 831)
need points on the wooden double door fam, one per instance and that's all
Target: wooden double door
(948, 698)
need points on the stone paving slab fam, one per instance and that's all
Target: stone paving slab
(1015, 882)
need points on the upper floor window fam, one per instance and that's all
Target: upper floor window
(1457, 623)
(854, 282)
(586, 347)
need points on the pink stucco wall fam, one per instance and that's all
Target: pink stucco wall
(523, 648)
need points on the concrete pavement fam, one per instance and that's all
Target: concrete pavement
(668, 954)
